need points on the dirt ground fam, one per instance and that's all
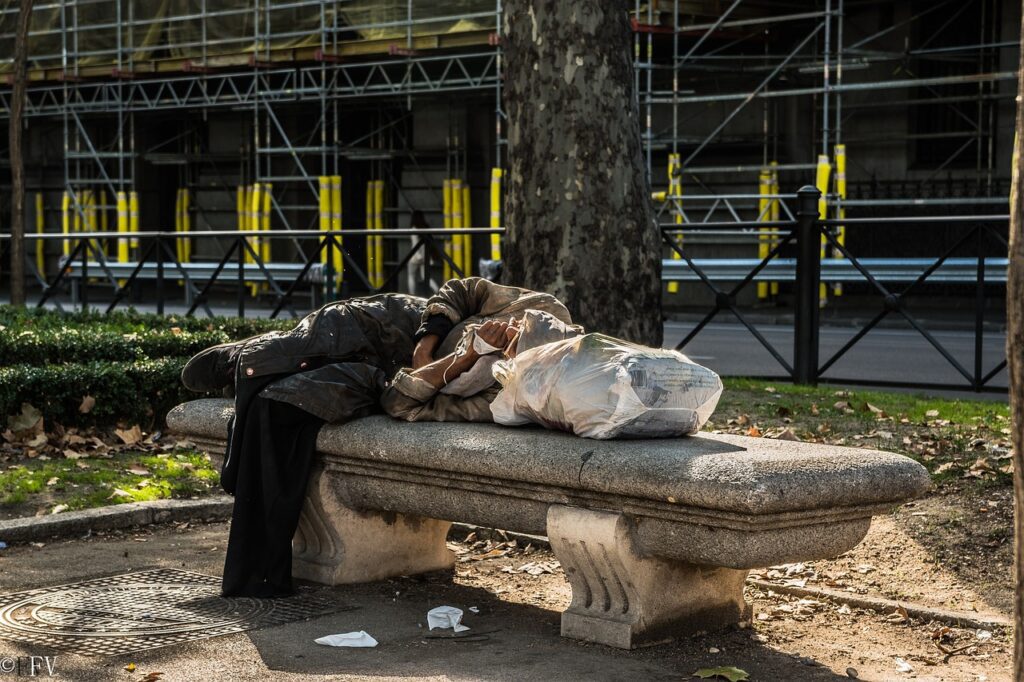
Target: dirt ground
(519, 591)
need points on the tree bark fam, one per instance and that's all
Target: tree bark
(15, 132)
(1015, 362)
(578, 214)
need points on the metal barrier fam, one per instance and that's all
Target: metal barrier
(244, 267)
(808, 270)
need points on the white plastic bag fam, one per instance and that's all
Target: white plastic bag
(597, 386)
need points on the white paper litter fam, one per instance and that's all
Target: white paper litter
(350, 639)
(446, 617)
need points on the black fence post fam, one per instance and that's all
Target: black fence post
(808, 281)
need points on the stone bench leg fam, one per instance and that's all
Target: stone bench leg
(335, 544)
(623, 599)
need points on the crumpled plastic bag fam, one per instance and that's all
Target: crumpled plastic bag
(597, 386)
(358, 640)
(446, 617)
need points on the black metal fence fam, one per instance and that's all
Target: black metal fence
(793, 259)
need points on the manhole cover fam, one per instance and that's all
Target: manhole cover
(144, 610)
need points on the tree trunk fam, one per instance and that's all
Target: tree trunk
(17, 162)
(1015, 360)
(578, 212)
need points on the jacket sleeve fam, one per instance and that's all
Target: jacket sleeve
(415, 400)
(458, 299)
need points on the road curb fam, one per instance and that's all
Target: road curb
(76, 523)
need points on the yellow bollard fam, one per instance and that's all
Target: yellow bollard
(186, 226)
(775, 212)
(324, 209)
(446, 194)
(764, 214)
(133, 220)
(256, 202)
(456, 222)
(467, 239)
(821, 182)
(240, 208)
(122, 227)
(255, 213)
(65, 222)
(675, 189)
(495, 212)
(40, 228)
(371, 252)
(104, 220)
(89, 224)
(840, 152)
(265, 250)
(378, 241)
(336, 216)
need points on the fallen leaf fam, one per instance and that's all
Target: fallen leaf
(742, 420)
(38, 441)
(902, 666)
(932, 413)
(842, 405)
(943, 468)
(176, 331)
(88, 402)
(769, 389)
(53, 481)
(754, 432)
(787, 434)
(74, 454)
(59, 508)
(868, 407)
(726, 672)
(119, 493)
(151, 677)
(138, 471)
(30, 419)
(129, 436)
(814, 409)
(130, 667)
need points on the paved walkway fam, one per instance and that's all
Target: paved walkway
(522, 640)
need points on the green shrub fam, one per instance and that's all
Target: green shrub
(129, 321)
(139, 392)
(85, 344)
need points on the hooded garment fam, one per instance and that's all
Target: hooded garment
(332, 367)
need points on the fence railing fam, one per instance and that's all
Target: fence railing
(790, 255)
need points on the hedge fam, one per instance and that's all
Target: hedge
(84, 344)
(129, 321)
(139, 392)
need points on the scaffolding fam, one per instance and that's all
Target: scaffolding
(729, 91)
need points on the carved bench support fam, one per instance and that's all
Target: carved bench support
(623, 599)
(335, 544)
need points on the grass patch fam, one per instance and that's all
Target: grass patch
(72, 484)
(956, 440)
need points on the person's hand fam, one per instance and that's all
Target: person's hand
(423, 354)
(494, 333)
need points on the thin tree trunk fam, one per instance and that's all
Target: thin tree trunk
(17, 162)
(578, 209)
(1015, 360)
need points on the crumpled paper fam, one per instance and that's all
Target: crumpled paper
(350, 639)
(446, 617)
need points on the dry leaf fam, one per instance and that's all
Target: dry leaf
(814, 409)
(754, 432)
(38, 441)
(842, 405)
(931, 413)
(138, 471)
(30, 420)
(176, 331)
(53, 481)
(129, 436)
(59, 508)
(88, 402)
(787, 434)
(74, 454)
(742, 420)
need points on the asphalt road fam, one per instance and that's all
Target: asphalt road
(881, 355)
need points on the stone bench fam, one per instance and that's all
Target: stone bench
(656, 536)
